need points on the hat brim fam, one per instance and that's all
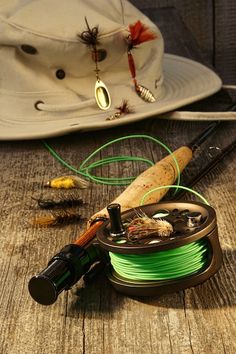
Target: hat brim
(185, 81)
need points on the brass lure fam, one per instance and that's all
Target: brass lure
(145, 93)
(67, 182)
(101, 93)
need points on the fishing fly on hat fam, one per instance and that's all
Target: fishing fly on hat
(73, 65)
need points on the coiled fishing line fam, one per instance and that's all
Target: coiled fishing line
(164, 265)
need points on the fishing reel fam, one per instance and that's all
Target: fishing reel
(153, 264)
(194, 237)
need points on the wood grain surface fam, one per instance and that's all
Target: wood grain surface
(95, 319)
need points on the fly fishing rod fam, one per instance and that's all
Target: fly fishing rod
(225, 152)
(202, 173)
(74, 260)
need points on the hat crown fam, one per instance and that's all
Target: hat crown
(64, 19)
(43, 37)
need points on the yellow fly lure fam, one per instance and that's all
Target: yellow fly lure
(67, 182)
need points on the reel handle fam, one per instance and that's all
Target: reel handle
(117, 229)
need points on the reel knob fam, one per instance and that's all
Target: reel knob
(117, 229)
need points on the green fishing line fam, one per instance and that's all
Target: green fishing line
(169, 264)
(86, 166)
(175, 187)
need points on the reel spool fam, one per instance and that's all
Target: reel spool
(191, 223)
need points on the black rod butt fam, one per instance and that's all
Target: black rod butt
(62, 272)
(42, 290)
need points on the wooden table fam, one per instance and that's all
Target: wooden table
(96, 319)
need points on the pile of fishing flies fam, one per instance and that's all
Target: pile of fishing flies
(64, 209)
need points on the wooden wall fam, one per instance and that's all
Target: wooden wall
(213, 23)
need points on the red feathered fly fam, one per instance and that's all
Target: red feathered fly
(139, 33)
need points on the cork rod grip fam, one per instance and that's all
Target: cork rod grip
(162, 173)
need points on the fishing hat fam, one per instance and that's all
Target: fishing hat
(78, 65)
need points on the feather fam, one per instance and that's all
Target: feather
(123, 109)
(59, 218)
(139, 33)
(90, 36)
(144, 227)
(69, 202)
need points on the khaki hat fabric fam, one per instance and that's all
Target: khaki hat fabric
(43, 60)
